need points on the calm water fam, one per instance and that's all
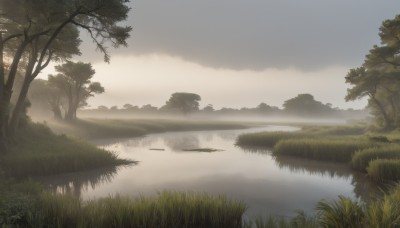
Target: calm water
(268, 185)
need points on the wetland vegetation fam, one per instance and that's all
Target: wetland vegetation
(152, 166)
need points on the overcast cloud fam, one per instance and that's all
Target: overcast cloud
(259, 34)
(237, 53)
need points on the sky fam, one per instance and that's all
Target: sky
(238, 53)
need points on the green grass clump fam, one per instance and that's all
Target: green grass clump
(343, 213)
(40, 152)
(335, 150)
(299, 221)
(385, 212)
(335, 130)
(382, 170)
(362, 158)
(266, 139)
(168, 209)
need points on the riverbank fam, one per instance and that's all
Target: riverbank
(377, 155)
(37, 151)
(119, 128)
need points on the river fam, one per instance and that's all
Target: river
(268, 185)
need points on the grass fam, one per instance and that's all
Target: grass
(266, 139)
(27, 205)
(386, 212)
(168, 209)
(299, 221)
(362, 158)
(383, 170)
(270, 139)
(114, 128)
(38, 151)
(339, 130)
(324, 149)
(343, 213)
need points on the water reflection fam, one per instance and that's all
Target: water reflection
(183, 142)
(313, 167)
(267, 184)
(76, 183)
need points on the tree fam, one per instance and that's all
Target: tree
(305, 104)
(378, 77)
(39, 31)
(74, 79)
(209, 108)
(183, 102)
(45, 96)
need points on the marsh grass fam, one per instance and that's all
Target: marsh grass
(113, 128)
(325, 149)
(267, 139)
(362, 158)
(168, 209)
(339, 130)
(270, 139)
(343, 213)
(301, 220)
(385, 213)
(40, 152)
(383, 170)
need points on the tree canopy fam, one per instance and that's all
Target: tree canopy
(378, 77)
(74, 82)
(305, 104)
(35, 32)
(183, 102)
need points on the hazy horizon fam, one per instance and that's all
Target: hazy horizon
(238, 53)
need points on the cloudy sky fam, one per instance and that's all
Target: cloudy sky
(237, 53)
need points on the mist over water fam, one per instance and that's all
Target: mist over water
(268, 185)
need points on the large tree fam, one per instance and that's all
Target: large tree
(183, 102)
(39, 31)
(378, 78)
(74, 81)
(306, 105)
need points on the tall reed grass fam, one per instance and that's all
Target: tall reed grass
(343, 213)
(385, 213)
(335, 150)
(362, 158)
(266, 139)
(168, 209)
(383, 170)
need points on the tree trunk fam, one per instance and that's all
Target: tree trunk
(56, 111)
(3, 109)
(19, 106)
(387, 123)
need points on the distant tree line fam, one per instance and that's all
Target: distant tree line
(184, 104)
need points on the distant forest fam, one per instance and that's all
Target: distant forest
(188, 104)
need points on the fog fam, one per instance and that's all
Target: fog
(238, 53)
